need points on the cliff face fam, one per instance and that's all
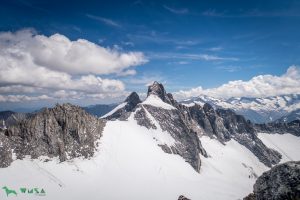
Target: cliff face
(281, 182)
(66, 131)
(292, 127)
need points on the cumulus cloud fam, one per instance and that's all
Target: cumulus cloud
(32, 63)
(258, 86)
(58, 53)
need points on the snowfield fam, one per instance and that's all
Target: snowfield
(287, 145)
(130, 165)
(155, 101)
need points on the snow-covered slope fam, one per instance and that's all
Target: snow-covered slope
(286, 144)
(155, 101)
(258, 110)
(129, 164)
(120, 106)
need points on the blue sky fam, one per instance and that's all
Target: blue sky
(187, 44)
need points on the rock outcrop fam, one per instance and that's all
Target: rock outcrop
(282, 182)
(225, 125)
(292, 127)
(130, 103)
(66, 131)
(181, 197)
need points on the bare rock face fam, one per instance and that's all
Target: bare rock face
(131, 102)
(243, 131)
(292, 127)
(226, 125)
(159, 90)
(187, 143)
(5, 151)
(66, 131)
(181, 197)
(282, 182)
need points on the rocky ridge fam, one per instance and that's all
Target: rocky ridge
(65, 131)
(282, 182)
(258, 110)
(186, 124)
(292, 127)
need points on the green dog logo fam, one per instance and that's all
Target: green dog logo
(9, 191)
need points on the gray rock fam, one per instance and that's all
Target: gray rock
(159, 90)
(282, 182)
(66, 131)
(181, 197)
(5, 150)
(131, 102)
(292, 127)
(187, 143)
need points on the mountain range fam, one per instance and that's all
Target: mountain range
(157, 148)
(258, 110)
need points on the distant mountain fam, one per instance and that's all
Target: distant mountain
(10, 118)
(5, 114)
(258, 110)
(292, 116)
(99, 109)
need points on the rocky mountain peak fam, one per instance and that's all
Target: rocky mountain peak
(159, 90)
(121, 111)
(133, 98)
(132, 101)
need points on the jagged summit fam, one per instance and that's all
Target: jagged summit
(158, 90)
(133, 98)
(127, 106)
(65, 131)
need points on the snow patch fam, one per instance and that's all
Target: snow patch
(155, 101)
(122, 105)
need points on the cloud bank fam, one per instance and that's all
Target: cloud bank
(258, 86)
(32, 63)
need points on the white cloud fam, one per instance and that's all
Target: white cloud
(59, 53)
(258, 86)
(21, 98)
(129, 72)
(186, 56)
(106, 21)
(37, 65)
(177, 10)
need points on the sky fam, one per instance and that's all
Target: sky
(94, 52)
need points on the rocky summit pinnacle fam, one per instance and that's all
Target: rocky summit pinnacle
(132, 100)
(159, 90)
(130, 104)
